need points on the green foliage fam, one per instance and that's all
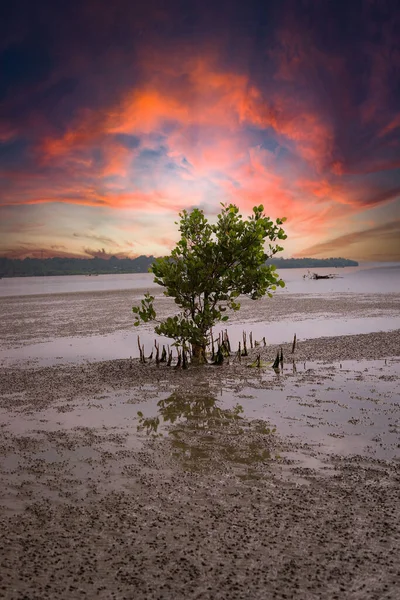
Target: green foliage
(210, 267)
(145, 312)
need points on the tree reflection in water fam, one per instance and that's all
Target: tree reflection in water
(204, 435)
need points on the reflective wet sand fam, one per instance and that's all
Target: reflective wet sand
(121, 480)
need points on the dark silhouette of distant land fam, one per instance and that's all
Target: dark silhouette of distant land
(31, 267)
(308, 263)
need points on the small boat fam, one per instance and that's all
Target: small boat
(316, 276)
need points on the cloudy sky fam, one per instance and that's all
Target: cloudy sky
(114, 116)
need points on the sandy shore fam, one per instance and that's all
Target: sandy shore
(205, 500)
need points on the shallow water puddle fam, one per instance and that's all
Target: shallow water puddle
(70, 450)
(321, 325)
(203, 435)
(283, 423)
(109, 411)
(123, 344)
(352, 409)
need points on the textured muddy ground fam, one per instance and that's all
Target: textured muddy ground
(177, 535)
(32, 319)
(121, 480)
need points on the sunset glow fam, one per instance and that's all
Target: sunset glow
(106, 134)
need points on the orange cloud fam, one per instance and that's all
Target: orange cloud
(150, 202)
(198, 120)
(194, 92)
(257, 182)
(369, 244)
(116, 160)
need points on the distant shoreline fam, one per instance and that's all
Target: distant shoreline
(52, 267)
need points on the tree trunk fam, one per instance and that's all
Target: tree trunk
(199, 354)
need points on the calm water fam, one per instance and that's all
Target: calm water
(351, 409)
(363, 279)
(345, 410)
(123, 343)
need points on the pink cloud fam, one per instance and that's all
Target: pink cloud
(204, 117)
(195, 92)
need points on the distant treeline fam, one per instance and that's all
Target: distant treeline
(311, 263)
(29, 267)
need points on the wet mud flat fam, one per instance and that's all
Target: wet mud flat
(39, 318)
(122, 480)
